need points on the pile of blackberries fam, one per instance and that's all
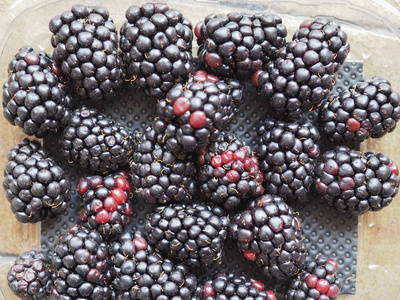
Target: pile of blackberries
(247, 193)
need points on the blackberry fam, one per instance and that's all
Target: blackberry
(80, 265)
(318, 281)
(93, 141)
(367, 109)
(85, 44)
(326, 31)
(33, 97)
(156, 42)
(106, 203)
(298, 79)
(287, 155)
(354, 182)
(158, 174)
(269, 233)
(229, 173)
(233, 286)
(239, 43)
(29, 277)
(140, 273)
(201, 108)
(193, 234)
(35, 185)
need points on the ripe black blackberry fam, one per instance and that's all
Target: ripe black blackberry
(85, 44)
(287, 155)
(106, 203)
(228, 172)
(156, 43)
(354, 182)
(29, 277)
(326, 31)
(93, 141)
(201, 108)
(318, 281)
(269, 233)
(298, 79)
(367, 109)
(160, 175)
(238, 44)
(35, 185)
(140, 273)
(33, 97)
(193, 234)
(80, 265)
(233, 286)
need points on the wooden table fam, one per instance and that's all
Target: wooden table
(378, 267)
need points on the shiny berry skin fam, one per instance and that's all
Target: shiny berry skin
(233, 176)
(271, 295)
(82, 187)
(227, 157)
(140, 243)
(102, 217)
(331, 167)
(214, 60)
(248, 254)
(334, 263)
(119, 195)
(200, 76)
(333, 291)
(198, 119)
(197, 30)
(352, 125)
(258, 285)
(122, 183)
(322, 286)
(311, 281)
(110, 204)
(393, 168)
(346, 183)
(208, 291)
(216, 161)
(254, 78)
(181, 105)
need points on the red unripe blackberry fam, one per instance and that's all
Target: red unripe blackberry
(197, 119)
(106, 207)
(229, 173)
(201, 108)
(181, 106)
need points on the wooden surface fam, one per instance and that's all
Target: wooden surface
(378, 268)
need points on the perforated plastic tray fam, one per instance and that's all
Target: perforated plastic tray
(324, 229)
